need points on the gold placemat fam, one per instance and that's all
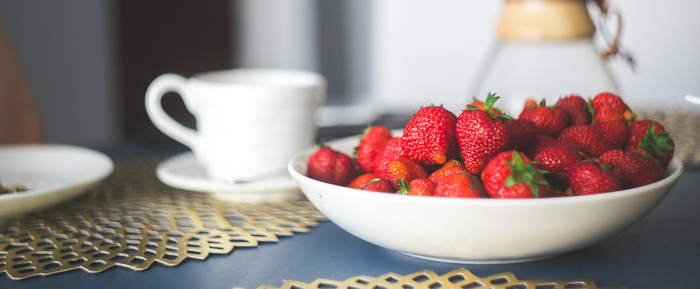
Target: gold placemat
(132, 220)
(684, 128)
(458, 278)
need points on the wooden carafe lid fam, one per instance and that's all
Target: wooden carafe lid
(545, 20)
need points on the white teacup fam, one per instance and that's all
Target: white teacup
(249, 121)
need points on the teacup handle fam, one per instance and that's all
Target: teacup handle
(159, 87)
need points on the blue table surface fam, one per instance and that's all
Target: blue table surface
(660, 251)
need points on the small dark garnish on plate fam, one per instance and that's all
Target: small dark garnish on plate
(12, 188)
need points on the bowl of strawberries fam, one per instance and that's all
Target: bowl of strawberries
(484, 187)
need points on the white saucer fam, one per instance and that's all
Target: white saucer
(183, 171)
(52, 174)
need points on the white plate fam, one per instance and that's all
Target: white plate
(183, 171)
(52, 173)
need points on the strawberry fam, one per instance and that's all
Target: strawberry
(590, 139)
(576, 108)
(481, 135)
(634, 169)
(417, 187)
(379, 185)
(391, 151)
(422, 187)
(649, 137)
(610, 107)
(522, 133)
(429, 137)
(638, 130)
(405, 169)
(539, 143)
(542, 141)
(362, 180)
(615, 133)
(550, 120)
(330, 166)
(372, 142)
(590, 177)
(511, 175)
(450, 167)
(459, 186)
(554, 159)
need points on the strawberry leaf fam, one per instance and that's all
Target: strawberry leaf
(371, 182)
(655, 143)
(526, 173)
(505, 117)
(472, 107)
(405, 188)
(590, 108)
(491, 99)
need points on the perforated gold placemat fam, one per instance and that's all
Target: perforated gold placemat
(459, 278)
(132, 220)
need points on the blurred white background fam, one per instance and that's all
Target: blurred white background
(379, 55)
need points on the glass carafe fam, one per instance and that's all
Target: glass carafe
(545, 49)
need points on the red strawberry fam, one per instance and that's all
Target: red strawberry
(522, 131)
(481, 135)
(550, 120)
(330, 166)
(576, 108)
(379, 185)
(555, 158)
(588, 177)
(429, 137)
(638, 130)
(362, 180)
(615, 133)
(668, 153)
(422, 187)
(610, 107)
(417, 187)
(449, 168)
(590, 139)
(542, 141)
(372, 142)
(405, 169)
(650, 138)
(511, 175)
(634, 169)
(391, 151)
(459, 186)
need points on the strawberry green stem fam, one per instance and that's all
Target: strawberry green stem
(405, 188)
(491, 99)
(527, 173)
(655, 143)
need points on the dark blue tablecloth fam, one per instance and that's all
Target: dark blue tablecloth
(661, 251)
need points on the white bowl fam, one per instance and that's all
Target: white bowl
(479, 230)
